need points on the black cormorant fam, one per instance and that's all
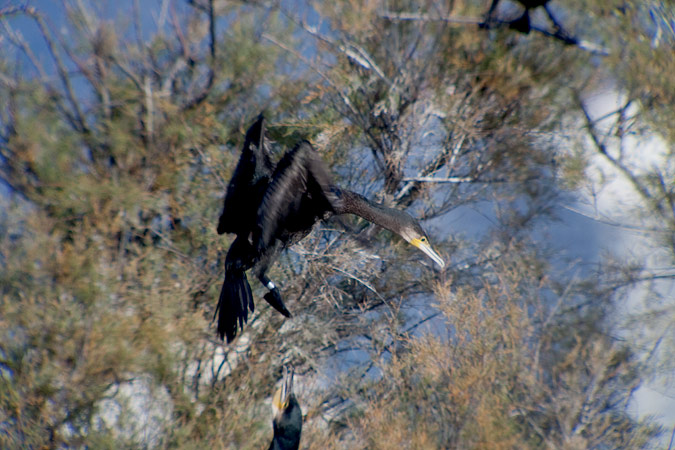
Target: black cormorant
(287, 420)
(270, 208)
(522, 23)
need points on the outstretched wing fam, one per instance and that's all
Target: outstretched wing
(248, 183)
(299, 194)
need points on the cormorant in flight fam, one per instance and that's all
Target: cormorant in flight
(270, 208)
(287, 420)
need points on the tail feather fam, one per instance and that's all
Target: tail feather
(235, 301)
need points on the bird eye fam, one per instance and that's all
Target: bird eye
(423, 239)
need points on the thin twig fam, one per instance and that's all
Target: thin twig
(557, 34)
(439, 161)
(212, 61)
(603, 150)
(363, 282)
(61, 69)
(309, 64)
(402, 17)
(349, 49)
(441, 180)
(599, 219)
(10, 10)
(17, 39)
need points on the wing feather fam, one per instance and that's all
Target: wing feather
(299, 194)
(248, 183)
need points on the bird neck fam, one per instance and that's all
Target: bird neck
(353, 203)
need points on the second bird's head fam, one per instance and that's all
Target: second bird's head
(283, 397)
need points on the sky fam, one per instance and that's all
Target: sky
(617, 203)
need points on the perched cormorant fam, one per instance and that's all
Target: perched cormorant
(522, 23)
(287, 420)
(270, 208)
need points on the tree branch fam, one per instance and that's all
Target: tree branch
(616, 163)
(439, 161)
(404, 17)
(309, 64)
(81, 122)
(196, 101)
(352, 51)
(442, 180)
(11, 10)
(557, 34)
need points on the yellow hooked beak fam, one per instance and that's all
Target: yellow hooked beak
(279, 403)
(283, 394)
(423, 244)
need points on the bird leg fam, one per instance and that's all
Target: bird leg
(273, 297)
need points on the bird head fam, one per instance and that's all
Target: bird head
(287, 422)
(413, 233)
(283, 395)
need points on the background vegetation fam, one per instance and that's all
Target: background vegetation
(121, 123)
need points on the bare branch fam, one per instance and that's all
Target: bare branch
(557, 34)
(599, 219)
(61, 69)
(184, 45)
(7, 81)
(361, 281)
(439, 161)
(349, 49)
(309, 64)
(127, 71)
(11, 10)
(403, 17)
(149, 107)
(17, 39)
(601, 147)
(455, 180)
(197, 100)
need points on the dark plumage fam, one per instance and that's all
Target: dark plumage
(248, 184)
(287, 422)
(531, 4)
(522, 23)
(271, 208)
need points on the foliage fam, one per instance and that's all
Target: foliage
(118, 137)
